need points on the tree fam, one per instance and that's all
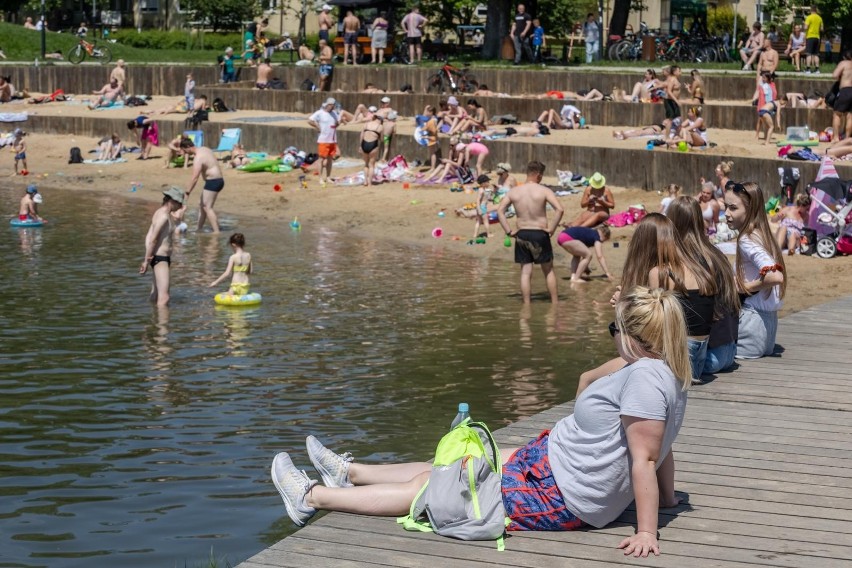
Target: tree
(300, 9)
(618, 20)
(445, 15)
(837, 14)
(224, 14)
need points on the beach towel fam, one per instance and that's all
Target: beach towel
(111, 106)
(105, 162)
(151, 133)
(13, 117)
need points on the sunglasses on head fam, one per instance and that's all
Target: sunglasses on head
(613, 329)
(735, 187)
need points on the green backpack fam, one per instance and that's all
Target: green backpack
(462, 498)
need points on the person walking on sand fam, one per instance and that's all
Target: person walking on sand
(532, 237)
(326, 121)
(843, 104)
(19, 147)
(204, 164)
(158, 244)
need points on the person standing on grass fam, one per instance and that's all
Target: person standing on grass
(813, 30)
(520, 32)
(534, 230)
(412, 25)
(351, 25)
(326, 121)
(158, 244)
(204, 165)
(325, 22)
(592, 33)
(538, 40)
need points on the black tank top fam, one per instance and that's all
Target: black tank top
(698, 310)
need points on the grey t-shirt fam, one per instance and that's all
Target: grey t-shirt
(588, 450)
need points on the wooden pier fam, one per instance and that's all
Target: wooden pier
(765, 455)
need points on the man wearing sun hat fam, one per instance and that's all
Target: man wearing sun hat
(158, 244)
(597, 201)
(326, 121)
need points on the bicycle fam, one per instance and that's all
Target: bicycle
(452, 79)
(79, 52)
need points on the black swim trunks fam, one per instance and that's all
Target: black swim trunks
(532, 246)
(159, 258)
(672, 108)
(216, 185)
(843, 102)
(511, 131)
(323, 34)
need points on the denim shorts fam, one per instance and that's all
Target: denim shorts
(697, 355)
(719, 358)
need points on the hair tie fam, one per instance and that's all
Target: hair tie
(771, 268)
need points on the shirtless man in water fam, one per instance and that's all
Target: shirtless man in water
(532, 237)
(204, 164)
(158, 244)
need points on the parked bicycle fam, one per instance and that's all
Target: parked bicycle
(92, 49)
(452, 80)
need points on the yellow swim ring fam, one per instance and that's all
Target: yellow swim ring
(226, 299)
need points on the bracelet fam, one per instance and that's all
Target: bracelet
(771, 268)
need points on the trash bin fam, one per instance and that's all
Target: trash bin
(649, 48)
(507, 49)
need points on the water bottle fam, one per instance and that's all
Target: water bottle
(582, 122)
(464, 413)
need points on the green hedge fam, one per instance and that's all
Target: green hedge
(158, 39)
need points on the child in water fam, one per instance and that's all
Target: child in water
(240, 265)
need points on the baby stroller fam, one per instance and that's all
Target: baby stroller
(830, 216)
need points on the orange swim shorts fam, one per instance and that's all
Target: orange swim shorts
(326, 150)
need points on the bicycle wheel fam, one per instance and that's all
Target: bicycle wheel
(435, 84)
(77, 54)
(103, 54)
(610, 51)
(622, 50)
(710, 54)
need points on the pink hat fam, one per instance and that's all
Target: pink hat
(453, 101)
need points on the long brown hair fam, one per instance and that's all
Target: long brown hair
(652, 246)
(711, 268)
(756, 227)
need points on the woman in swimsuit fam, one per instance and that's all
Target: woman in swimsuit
(537, 128)
(814, 99)
(766, 101)
(239, 265)
(109, 147)
(371, 138)
(477, 150)
(477, 119)
(380, 38)
(652, 130)
(709, 207)
(642, 89)
(791, 221)
(696, 88)
(448, 166)
(238, 156)
(692, 130)
(597, 201)
(723, 173)
(567, 118)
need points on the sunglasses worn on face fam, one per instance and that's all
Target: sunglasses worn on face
(613, 329)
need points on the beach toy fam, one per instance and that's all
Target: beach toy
(26, 223)
(582, 122)
(414, 202)
(406, 185)
(133, 187)
(441, 214)
(295, 225)
(182, 227)
(681, 146)
(303, 181)
(226, 299)
(25, 172)
(276, 187)
(507, 242)
(421, 136)
(480, 240)
(649, 145)
(437, 232)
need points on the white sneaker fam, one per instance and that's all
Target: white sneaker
(334, 468)
(293, 485)
(746, 67)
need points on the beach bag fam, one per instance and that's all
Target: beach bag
(76, 156)
(308, 85)
(135, 101)
(194, 120)
(465, 175)
(277, 84)
(462, 498)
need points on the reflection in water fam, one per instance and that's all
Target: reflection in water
(141, 433)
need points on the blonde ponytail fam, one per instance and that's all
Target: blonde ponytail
(654, 319)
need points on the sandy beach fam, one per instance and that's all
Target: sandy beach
(387, 211)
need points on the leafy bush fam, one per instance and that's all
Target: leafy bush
(721, 20)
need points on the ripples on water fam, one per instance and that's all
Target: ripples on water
(142, 436)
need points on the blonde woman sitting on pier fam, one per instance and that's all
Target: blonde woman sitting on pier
(615, 448)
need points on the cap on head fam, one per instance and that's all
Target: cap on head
(385, 99)
(286, 34)
(597, 180)
(32, 189)
(329, 101)
(326, 8)
(504, 166)
(175, 194)
(373, 109)
(229, 50)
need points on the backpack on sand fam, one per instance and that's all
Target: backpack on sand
(75, 156)
(462, 498)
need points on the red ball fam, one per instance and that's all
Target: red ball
(276, 187)
(25, 172)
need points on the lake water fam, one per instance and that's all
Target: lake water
(139, 437)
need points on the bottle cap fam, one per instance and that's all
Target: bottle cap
(463, 407)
